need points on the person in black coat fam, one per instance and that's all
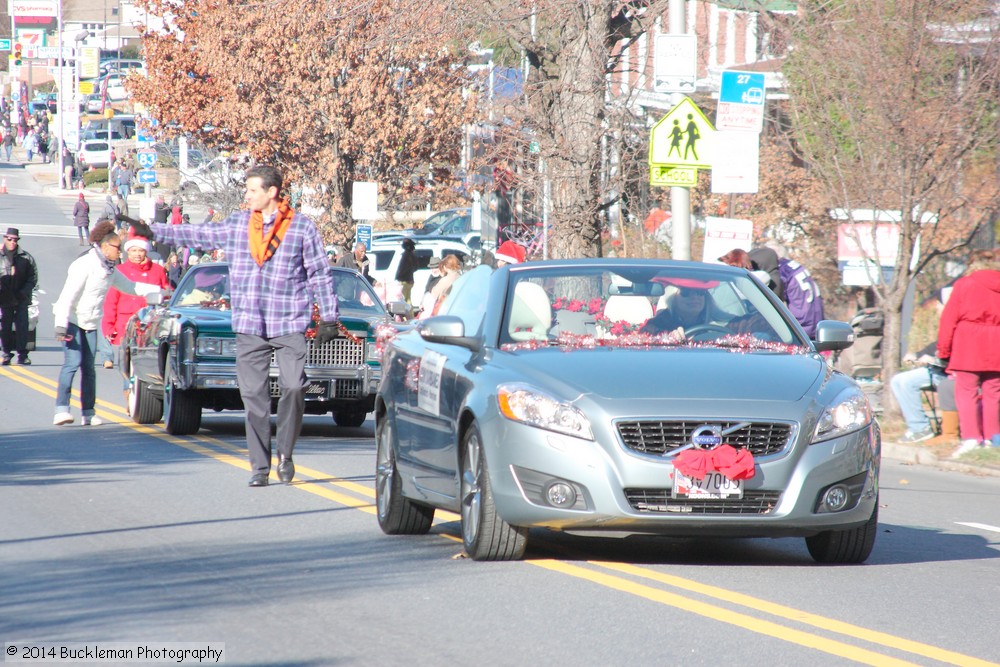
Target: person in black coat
(408, 265)
(18, 278)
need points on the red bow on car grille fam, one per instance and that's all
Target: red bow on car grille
(732, 463)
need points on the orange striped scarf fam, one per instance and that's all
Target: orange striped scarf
(262, 246)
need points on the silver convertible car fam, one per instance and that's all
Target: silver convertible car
(645, 396)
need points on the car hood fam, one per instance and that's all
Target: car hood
(684, 373)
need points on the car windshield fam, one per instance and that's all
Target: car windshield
(435, 222)
(642, 305)
(355, 297)
(207, 287)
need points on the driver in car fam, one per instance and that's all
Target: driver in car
(687, 307)
(692, 306)
(209, 287)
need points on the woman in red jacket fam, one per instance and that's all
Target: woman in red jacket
(969, 341)
(119, 306)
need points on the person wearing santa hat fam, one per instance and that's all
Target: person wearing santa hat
(509, 253)
(119, 306)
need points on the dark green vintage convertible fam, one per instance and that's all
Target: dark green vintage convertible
(180, 356)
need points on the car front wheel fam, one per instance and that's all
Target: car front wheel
(485, 535)
(181, 408)
(144, 407)
(845, 547)
(396, 515)
(349, 419)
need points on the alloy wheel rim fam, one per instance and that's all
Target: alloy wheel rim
(471, 490)
(384, 472)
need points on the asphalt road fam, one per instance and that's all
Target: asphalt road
(122, 533)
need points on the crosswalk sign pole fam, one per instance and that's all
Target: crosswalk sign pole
(680, 197)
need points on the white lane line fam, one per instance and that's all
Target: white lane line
(980, 526)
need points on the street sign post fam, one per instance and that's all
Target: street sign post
(675, 64)
(146, 176)
(682, 138)
(741, 102)
(147, 159)
(669, 177)
(363, 234)
(679, 144)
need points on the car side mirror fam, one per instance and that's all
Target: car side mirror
(155, 298)
(833, 335)
(449, 330)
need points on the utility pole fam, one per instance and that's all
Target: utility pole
(680, 198)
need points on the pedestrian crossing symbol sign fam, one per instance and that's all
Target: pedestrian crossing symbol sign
(682, 138)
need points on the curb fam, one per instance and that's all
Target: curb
(919, 456)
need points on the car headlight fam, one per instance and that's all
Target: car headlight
(209, 346)
(372, 353)
(849, 412)
(530, 406)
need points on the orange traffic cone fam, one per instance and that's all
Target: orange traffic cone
(3, 186)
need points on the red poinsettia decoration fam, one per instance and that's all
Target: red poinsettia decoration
(616, 328)
(593, 307)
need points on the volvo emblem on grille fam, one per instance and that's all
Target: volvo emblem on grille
(706, 437)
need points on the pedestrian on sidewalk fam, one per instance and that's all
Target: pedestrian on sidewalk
(68, 165)
(969, 344)
(43, 147)
(30, 144)
(8, 142)
(81, 218)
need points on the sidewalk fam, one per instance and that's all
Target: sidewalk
(45, 175)
(918, 455)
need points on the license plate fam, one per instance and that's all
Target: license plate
(715, 486)
(318, 389)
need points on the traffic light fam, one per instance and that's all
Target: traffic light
(17, 53)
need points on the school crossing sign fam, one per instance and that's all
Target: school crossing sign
(679, 144)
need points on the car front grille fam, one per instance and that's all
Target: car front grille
(337, 352)
(658, 501)
(658, 437)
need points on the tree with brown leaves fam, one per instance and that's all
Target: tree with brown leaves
(893, 106)
(331, 91)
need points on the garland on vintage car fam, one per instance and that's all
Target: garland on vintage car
(344, 331)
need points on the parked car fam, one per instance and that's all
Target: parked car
(112, 85)
(536, 400)
(454, 224)
(385, 255)
(180, 356)
(93, 153)
(93, 103)
(216, 175)
(102, 135)
(120, 65)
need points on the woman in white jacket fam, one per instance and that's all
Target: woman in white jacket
(78, 319)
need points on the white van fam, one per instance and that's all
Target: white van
(385, 255)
